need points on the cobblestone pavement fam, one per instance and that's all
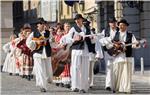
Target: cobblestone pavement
(15, 85)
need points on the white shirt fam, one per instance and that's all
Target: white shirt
(122, 37)
(107, 41)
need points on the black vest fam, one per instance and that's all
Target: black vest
(79, 45)
(128, 40)
(37, 34)
(107, 34)
(91, 46)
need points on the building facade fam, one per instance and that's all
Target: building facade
(6, 27)
(137, 13)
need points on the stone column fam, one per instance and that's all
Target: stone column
(145, 20)
(98, 18)
(6, 24)
(132, 15)
(118, 10)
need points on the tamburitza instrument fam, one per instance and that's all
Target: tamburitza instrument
(60, 56)
(42, 39)
(119, 47)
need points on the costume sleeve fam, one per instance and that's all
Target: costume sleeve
(135, 41)
(63, 40)
(94, 38)
(30, 43)
(98, 50)
(106, 41)
(17, 40)
(6, 47)
(13, 50)
(69, 36)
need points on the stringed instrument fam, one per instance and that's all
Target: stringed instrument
(60, 57)
(119, 47)
(42, 41)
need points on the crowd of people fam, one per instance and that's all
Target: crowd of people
(66, 55)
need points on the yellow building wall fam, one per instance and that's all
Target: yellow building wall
(67, 11)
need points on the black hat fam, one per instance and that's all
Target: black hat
(112, 20)
(26, 26)
(86, 21)
(41, 21)
(78, 16)
(123, 21)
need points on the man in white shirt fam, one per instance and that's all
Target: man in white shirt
(39, 43)
(122, 63)
(109, 32)
(79, 56)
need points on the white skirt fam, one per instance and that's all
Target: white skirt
(10, 64)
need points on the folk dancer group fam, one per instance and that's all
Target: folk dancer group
(32, 53)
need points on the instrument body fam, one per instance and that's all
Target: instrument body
(41, 41)
(119, 47)
(60, 56)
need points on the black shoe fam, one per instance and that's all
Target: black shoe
(114, 91)
(82, 91)
(43, 89)
(10, 74)
(57, 84)
(76, 90)
(91, 87)
(61, 85)
(67, 86)
(17, 74)
(31, 76)
(23, 76)
(108, 88)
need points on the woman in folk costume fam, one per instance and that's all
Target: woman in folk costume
(79, 56)
(19, 58)
(59, 34)
(55, 59)
(38, 42)
(27, 61)
(65, 75)
(10, 62)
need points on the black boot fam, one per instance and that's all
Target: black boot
(23, 76)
